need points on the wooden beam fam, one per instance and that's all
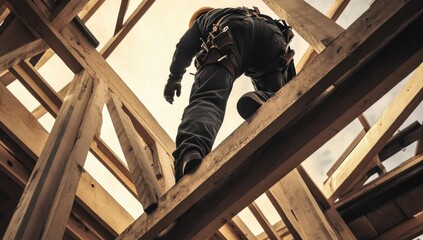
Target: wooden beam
(333, 13)
(239, 227)
(138, 162)
(404, 167)
(285, 220)
(66, 11)
(89, 191)
(396, 113)
(407, 230)
(282, 231)
(264, 223)
(121, 15)
(111, 45)
(25, 51)
(7, 78)
(35, 83)
(334, 218)
(318, 30)
(64, 198)
(227, 232)
(89, 9)
(77, 230)
(301, 208)
(30, 216)
(228, 164)
(401, 140)
(18, 43)
(17, 122)
(4, 11)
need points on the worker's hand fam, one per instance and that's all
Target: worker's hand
(171, 87)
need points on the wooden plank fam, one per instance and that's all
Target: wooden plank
(333, 216)
(77, 230)
(139, 165)
(264, 223)
(390, 176)
(103, 206)
(338, 6)
(362, 228)
(165, 162)
(89, 9)
(7, 78)
(227, 232)
(391, 119)
(401, 140)
(121, 15)
(65, 196)
(233, 155)
(386, 216)
(406, 230)
(285, 220)
(111, 45)
(4, 11)
(30, 216)
(35, 83)
(243, 232)
(66, 11)
(25, 51)
(281, 230)
(301, 208)
(318, 30)
(17, 122)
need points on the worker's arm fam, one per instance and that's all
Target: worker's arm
(186, 49)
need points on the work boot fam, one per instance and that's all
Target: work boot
(190, 161)
(248, 104)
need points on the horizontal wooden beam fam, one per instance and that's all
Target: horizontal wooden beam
(237, 163)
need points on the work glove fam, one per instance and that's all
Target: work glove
(171, 87)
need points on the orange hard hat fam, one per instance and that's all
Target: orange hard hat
(197, 13)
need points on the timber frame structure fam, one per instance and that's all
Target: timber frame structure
(46, 194)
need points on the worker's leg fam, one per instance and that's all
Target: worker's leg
(204, 114)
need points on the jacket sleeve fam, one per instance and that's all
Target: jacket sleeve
(186, 49)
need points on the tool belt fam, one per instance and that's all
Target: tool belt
(219, 47)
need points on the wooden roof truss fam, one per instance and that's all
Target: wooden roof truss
(341, 75)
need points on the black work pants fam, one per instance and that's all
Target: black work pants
(257, 44)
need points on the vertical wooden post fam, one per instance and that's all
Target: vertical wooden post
(62, 206)
(32, 211)
(139, 165)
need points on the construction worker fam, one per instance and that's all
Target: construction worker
(226, 43)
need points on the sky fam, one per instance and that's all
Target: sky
(142, 60)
